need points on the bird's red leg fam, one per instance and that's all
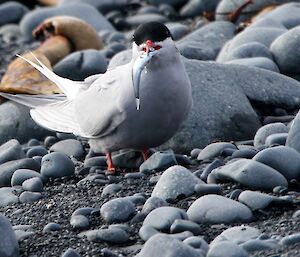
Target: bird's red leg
(110, 163)
(145, 154)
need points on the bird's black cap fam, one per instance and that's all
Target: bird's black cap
(154, 31)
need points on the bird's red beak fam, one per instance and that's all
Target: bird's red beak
(150, 46)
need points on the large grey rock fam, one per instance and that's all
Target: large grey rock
(206, 42)
(215, 209)
(284, 159)
(164, 245)
(221, 94)
(15, 122)
(250, 173)
(82, 11)
(11, 150)
(7, 169)
(8, 244)
(176, 182)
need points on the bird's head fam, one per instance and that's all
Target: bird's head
(149, 39)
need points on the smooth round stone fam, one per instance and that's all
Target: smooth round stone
(205, 189)
(85, 211)
(70, 147)
(163, 245)
(21, 175)
(284, 159)
(195, 152)
(252, 174)
(50, 140)
(52, 226)
(138, 19)
(227, 249)
(10, 33)
(82, 11)
(34, 184)
(248, 50)
(147, 232)
(57, 165)
(176, 182)
(134, 175)
(36, 151)
(284, 50)
(178, 30)
(214, 150)
(197, 242)
(215, 209)
(267, 130)
(276, 139)
(33, 142)
(206, 42)
(194, 8)
(258, 201)
(258, 62)
(180, 225)
(208, 169)
(71, 253)
(293, 138)
(111, 189)
(163, 217)
(8, 244)
(158, 161)
(11, 150)
(111, 235)
(246, 153)
(117, 210)
(79, 222)
(152, 203)
(254, 245)
(98, 161)
(30, 197)
(7, 196)
(136, 199)
(81, 64)
(290, 239)
(11, 12)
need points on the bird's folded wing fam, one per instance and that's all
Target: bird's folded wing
(34, 100)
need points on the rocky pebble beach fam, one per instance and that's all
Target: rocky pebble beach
(226, 185)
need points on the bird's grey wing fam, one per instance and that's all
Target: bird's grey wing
(98, 110)
(34, 100)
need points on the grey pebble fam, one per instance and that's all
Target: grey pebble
(70, 147)
(197, 242)
(254, 245)
(159, 161)
(196, 7)
(50, 140)
(246, 153)
(215, 209)
(163, 217)
(180, 225)
(7, 196)
(70, 253)
(11, 12)
(208, 168)
(293, 138)
(21, 175)
(30, 197)
(267, 130)
(205, 189)
(79, 222)
(277, 138)
(36, 151)
(57, 165)
(52, 226)
(152, 203)
(9, 246)
(98, 161)
(290, 239)
(175, 183)
(146, 232)
(111, 189)
(33, 184)
(214, 150)
(110, 235)
(11, 150)
(85, 211)
(226, 248)
(117, 210)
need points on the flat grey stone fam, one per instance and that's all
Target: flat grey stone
(215, 209)
(152, 203)
(226, 248)
(205, 189)
(79, 222)
(267, 130)
(117, 210)
(164, 245)
(11, 150)
(214, 150)
(254, 245)
(111, 189)
(52, 227)
(176, 182)
(180, 225)
(30, 197)
(206, 42)
(8, 244)
(110, 235)
(57, 165)
(290, 239)
(7, 196)
(163, 217)
(7, 169)
(82, 11)
(251, 174)
(158, 161)
(33, 184)
(258, 201)
(284, 159)
(20, 175)
(70, 147)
